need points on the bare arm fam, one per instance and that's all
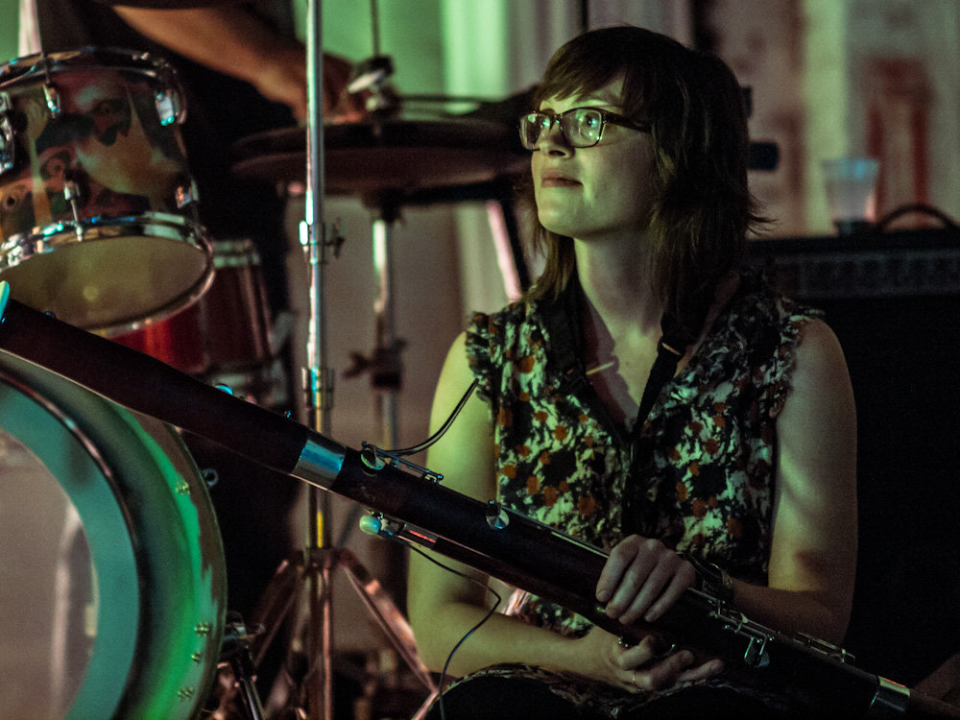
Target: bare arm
(232, 40)
(814, 550)
(443, 607)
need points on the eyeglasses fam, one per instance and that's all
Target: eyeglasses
(581, 127)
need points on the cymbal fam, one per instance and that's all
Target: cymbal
(392, 156)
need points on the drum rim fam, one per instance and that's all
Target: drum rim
(19, 248)
(61, 234)
(28, 68)
(184, 658)
(38, 414)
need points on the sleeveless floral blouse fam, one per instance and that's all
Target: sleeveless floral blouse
(700, 473)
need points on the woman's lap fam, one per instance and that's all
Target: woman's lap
(502, 698)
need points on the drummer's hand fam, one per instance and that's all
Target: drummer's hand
(339, 105)
(649, 665)
(284, 80)
(641, 579)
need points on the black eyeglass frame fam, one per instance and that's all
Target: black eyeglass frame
(606, 117)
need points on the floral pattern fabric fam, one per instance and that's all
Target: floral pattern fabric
(700, 473)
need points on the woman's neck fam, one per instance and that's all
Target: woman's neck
(616, 285)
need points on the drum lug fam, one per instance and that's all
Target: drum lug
(186, 195)
(8, 156)
(71, 193)
(52, 96)
(169, 108)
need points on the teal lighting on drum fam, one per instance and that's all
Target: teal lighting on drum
(158, 575)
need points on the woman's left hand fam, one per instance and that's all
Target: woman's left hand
(642, 578)
(648, 667)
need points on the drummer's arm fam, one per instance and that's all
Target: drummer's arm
(232, 40)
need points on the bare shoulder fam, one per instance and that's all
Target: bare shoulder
(820, 403)
(820, 364)
(455, 377)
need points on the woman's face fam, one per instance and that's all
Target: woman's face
(600, 192)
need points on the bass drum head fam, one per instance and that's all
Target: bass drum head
(112, 579)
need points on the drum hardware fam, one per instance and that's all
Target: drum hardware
(71, 195)
(373, 76)
(382, 161)
(98, 219)
(8, 156)
(313, 570)
(52, 97)
(315, 567)
(291, 581)
(236, 652)
(384, 365)
(386, 153)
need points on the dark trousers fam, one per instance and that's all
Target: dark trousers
(501, 698)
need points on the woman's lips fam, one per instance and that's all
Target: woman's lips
(554, 180)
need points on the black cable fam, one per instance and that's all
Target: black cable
(357, 510)
(443, 428)
(446, 665)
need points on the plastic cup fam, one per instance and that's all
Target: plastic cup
(851, 185)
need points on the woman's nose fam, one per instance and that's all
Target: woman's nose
(552, 141)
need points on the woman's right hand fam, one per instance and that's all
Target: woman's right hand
(642, 667)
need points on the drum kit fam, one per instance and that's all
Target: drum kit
(126, 615)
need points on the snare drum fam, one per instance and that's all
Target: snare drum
(113, 596)
(98, 219)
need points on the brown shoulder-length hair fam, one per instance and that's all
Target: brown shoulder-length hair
(702, 207)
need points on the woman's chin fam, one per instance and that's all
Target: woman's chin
(558, 224)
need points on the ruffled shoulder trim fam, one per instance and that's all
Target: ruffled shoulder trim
(488, 339)
(759, 332)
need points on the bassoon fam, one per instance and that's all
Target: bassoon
(411, 504)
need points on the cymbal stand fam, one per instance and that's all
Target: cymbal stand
(320, 391)
(315, 567)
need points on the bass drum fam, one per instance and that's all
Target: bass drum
(113, 590)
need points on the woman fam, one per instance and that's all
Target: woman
(745, 457)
